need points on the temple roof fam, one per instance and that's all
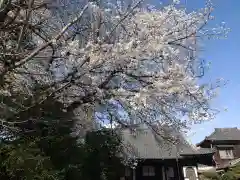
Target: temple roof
(223, 134)
(145, 143)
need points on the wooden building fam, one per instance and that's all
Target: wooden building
(160, 157)
(226, 144)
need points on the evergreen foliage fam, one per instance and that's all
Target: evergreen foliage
(45, 149)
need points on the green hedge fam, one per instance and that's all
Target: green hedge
(231, 174)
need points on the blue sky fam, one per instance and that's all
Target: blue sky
(224, 58)
(223, 55)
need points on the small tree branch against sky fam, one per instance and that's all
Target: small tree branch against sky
(104, 56)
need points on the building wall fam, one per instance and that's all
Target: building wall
(219, 162)
(163, 168)
(237, 151)
(235, 146)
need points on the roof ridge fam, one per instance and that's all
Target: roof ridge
(227, 128)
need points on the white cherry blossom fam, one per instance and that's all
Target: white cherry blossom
(143, 58)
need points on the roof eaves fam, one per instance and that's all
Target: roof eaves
(201, 142)
(209, 138)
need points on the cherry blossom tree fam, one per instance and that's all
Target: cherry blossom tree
(126, 60)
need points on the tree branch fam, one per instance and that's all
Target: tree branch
(57, 37)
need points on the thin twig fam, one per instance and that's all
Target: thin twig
(123, 18)
(57, 37)
(28, 15)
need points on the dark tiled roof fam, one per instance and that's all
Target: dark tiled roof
(225, 134)
(225, 145)
(146, 144)
(205, 151)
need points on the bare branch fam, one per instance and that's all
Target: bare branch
(57, 37)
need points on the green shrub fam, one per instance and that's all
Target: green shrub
(236, 170)
(228, 176)
(210, 176)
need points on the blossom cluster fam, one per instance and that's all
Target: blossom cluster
(143, 58)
